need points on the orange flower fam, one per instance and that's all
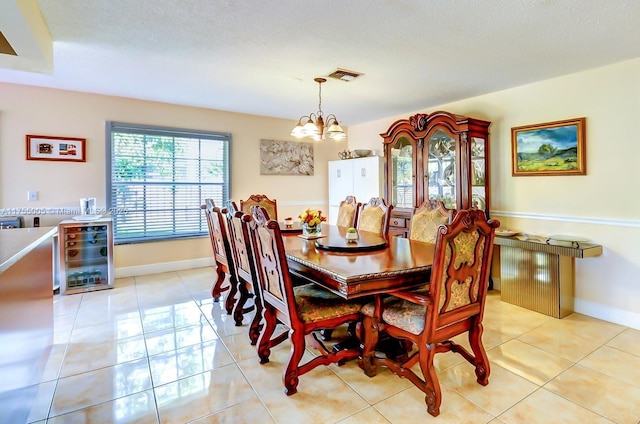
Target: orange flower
(312, 217)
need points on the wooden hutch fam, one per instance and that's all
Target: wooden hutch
(435, 156)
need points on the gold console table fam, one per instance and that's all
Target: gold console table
(538, 274)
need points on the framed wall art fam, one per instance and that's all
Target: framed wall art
(286, 158)
(552, 148)
(44, 147)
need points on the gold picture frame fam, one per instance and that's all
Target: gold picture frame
(552, 148)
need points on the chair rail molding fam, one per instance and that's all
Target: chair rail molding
(577, 219)
(302, 202)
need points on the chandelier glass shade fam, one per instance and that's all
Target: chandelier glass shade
(315, 125)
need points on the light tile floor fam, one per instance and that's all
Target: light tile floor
(157, 348)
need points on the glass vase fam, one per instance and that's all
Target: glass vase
(310, 230)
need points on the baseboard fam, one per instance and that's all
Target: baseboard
(496, 283)
(132, 271)
(606, 313)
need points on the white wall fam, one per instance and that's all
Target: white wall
(32, 110)
(603, 205)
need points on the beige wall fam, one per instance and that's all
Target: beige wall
(31, 110)
(603, 205)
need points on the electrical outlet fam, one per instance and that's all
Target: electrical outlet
(32, 196)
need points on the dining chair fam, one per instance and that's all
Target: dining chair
(271, 205)
(427, 218)
(223, 255)
(454, 305)
(304, 309)
(348, 212)
(374, 216)
(220, 255)
(246, 270)
(347, 217)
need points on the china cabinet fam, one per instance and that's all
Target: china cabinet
(438, 156)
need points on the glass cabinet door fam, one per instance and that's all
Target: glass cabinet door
(442, 168)
(437, 156)
(478, 173)
(402, 174)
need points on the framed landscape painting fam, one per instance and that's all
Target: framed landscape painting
(553, 148)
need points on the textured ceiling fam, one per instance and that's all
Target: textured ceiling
(260, 57)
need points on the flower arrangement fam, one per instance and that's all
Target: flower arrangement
(312, 217)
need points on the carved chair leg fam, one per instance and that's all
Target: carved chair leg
(239, 309)
(217, 289)
(291, 374)
(264, 341)
(369, 342)
(231, 297)
(326, 334)
(256, 324)
(433, 394)
(481, 361)
(351, 329)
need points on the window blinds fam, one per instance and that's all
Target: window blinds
(158, 177)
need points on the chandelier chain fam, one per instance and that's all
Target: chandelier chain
(319, 98)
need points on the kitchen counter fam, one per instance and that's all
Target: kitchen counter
(26, 311)
(18, 242)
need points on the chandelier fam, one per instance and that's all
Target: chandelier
(315, 126)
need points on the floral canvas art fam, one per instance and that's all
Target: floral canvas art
(286, 158)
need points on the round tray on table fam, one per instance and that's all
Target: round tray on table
(334, 239)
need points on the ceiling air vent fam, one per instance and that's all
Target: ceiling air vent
(344, 75)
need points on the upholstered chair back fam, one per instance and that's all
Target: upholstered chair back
(374, 216)
(348, 212)
(427, 218)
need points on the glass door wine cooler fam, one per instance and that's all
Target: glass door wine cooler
(86, 255)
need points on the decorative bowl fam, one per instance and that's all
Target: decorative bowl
(362, 153)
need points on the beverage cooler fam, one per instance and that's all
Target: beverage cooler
(85, 255)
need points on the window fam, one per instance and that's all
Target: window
(157, 178)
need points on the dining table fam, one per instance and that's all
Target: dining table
(371, 264)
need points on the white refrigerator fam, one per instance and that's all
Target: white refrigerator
(359, 177)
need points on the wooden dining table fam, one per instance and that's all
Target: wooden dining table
(373, 264)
